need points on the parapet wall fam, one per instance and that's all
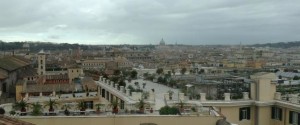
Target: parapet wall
(123, 120)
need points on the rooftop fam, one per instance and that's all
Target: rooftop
(11, 63)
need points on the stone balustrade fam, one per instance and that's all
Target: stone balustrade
(128, 92)
(202, 96)
(277, 96)
(122, 89)
(246, 95)
(181, 96)
(227, 96)
(293, 98)
(116, 86)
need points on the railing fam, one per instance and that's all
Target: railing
(62, 96)
(291, 98)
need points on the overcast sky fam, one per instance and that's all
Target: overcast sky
(147, 21)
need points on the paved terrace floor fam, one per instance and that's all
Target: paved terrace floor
(159, 89)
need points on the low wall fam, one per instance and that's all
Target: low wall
(122, 120)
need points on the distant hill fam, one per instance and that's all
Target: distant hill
(37, 46)
(279, 45)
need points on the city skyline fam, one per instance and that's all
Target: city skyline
(145, 22)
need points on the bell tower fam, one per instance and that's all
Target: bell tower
(41, 63)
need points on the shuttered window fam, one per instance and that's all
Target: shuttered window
(294, 118)
(276, 113)
(244, 113)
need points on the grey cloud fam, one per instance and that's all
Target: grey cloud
(141, 21)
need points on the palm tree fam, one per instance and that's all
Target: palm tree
(81, 106)
(170, 94)
(98, 107)
(66, 107)
(114, 104)
(141, 105)
(51, 104)
(21, 105)
(36, 109)
(160, 71)
(181, 105)
(183, 70)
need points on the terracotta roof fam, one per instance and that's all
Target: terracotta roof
(50, 87)
(27, 72)
(12, 63)
(57, 77)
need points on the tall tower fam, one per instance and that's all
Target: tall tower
(41, 63)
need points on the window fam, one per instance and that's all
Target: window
(276, 113)
(4, 87)
(42, 67)
(294, 118)
(245, 113)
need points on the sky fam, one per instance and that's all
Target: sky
(193, 22)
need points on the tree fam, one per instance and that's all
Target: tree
(114, 104)
(172, 82)
(81, 106)
(146, 74)
(117, 72)
(166, 110)
(296, 78)
(99, 105)
(66, 107)
(160, 79)
(36, 109)
(145, 95)
(192, 71)
(115, 79)
(125, 73)
(141, 105)
(21, 105)
(183, 70)
(2, 111)
(160, 71)
(51, 104)
(170, 94)
(181, 105)
(173, 71)
(201, 71)
(122, 82)
(169, 73)
(133, 74)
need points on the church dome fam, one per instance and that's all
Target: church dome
(162, 42)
